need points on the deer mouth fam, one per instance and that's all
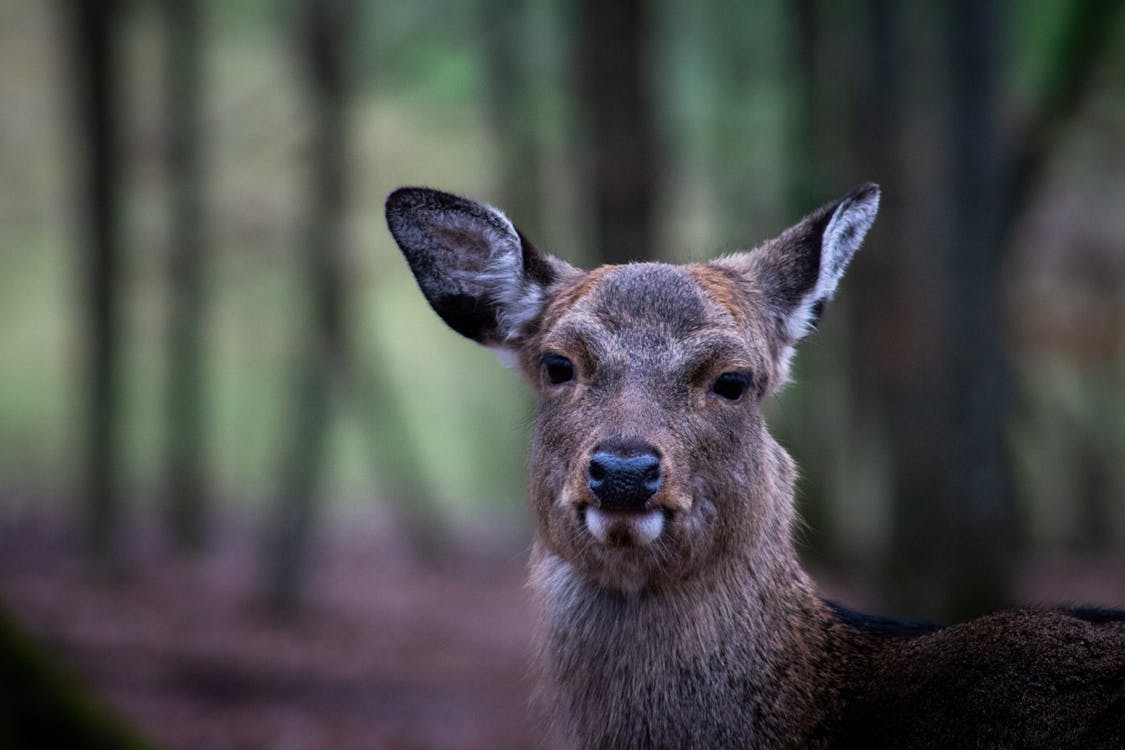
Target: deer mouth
(625, 528)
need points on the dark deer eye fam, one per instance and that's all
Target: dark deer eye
(559, 369)
(731, 385)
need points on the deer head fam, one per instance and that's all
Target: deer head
(650, 459)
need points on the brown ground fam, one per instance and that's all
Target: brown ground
(392, 653)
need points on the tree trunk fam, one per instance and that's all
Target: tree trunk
(620, 153)
(980, 511)
(325, 42)
(895, 292)
(184, 459)
(511, 109)
(94, 47)
(814, 147)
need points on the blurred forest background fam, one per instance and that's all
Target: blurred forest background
(226, 412)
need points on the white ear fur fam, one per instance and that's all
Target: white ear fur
(517, 298)
(841, 239)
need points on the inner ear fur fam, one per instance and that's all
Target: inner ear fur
(799, 270)
(477, 271)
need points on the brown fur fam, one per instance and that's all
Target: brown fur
(721, 285)
(566, 297)
(711, 635)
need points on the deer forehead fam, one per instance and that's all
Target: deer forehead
(651, 296)
(656, 315)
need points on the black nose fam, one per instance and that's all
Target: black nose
(624, 473)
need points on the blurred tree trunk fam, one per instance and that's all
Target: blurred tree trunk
(980, 514)
(511, 100)
(1099, 492)
(94, 39)
(184, 459)
(325, 40)
(897, 302)
(815, 154)
(616, 108)
(817, 145)
(879, 283)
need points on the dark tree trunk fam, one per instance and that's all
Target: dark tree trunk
(185, 464)
(980, 512)
(324, 44)
(815, 153)
(816, 147)
(94, 44)
(511, 108)
(616, 108)
(880, 285)
(1098, 493)
(897, 354)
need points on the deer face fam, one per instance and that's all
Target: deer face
(649, 391)
(650, 457)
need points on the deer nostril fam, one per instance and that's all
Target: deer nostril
(624, 477)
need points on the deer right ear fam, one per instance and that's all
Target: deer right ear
(474, 267)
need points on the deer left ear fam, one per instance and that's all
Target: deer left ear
(799, 270)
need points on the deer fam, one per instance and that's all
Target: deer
(674, 610)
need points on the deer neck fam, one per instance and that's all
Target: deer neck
(660, 664)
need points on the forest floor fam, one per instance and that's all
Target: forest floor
(391, 653)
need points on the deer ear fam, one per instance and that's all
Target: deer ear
(799, 270)
(474, 267)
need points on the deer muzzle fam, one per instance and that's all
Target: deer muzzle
(623, 475)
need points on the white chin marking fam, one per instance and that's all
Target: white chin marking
(615, 526)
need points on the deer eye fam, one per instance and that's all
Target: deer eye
(559, 369)
(731, 385)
